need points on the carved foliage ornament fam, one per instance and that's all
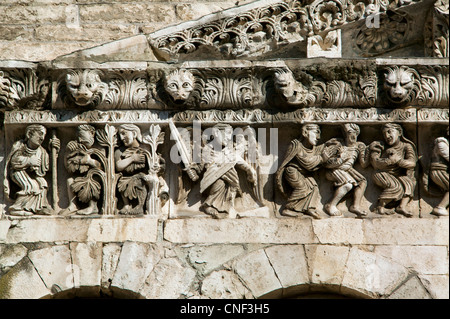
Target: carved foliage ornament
(251, 32)
(388, 34)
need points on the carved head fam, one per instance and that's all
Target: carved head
(86, 135)
(86, 87)
(284, 83)
(392, 133)
(351, 132)
(399, 82)
(130, 134)
(223, 134)
(179, 84)
(311, 133)
(35, 135)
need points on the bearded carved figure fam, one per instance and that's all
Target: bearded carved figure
(400, 83)
(85, 88)
(179, 84)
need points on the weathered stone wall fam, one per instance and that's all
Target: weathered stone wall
(248, 258)
(44, 29)
(183, 252)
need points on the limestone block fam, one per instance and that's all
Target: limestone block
(411, 231)
(87, 262)
(339, 231)
(437, 285)
(427, 260)
(83, 229)
(207, 258)
(224, 284)
(168, 280)
(136, 261)
(105, 32)
(4, 227)
(251, 230)
(372, 274)
(289, 263)
(128, 13)
(412, 289)
(110, 259)
(257, 273)
(123, 229)
(11, 255)
(327, 263)
(38, 51)
(22, 282)
(54, 266)
(33, 14)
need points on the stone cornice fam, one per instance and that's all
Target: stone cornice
(314, 82)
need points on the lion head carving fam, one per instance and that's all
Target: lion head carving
(85, 87)
(179, 84)
(399, 84)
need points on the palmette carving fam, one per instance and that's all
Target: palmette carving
(24, 89)
(127, 90)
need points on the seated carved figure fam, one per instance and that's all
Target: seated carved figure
(340, 170)
(138, 175)
(220, 180)
(394, 167)
(26, 166)
(81, 162)
(439, 173)
(302, 159)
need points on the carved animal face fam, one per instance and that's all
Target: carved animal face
(85, 87)
(179, 84)
(399, 83)
(284, 84)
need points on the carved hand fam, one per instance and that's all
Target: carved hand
(55, 143)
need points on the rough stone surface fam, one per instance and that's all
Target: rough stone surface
(371, 273)
(22, 282)
(136, 261)
(224, 284)
(87, 264)
(257, 273)
(168, 280)
(55, 267)
(426, 260)
(327, 263)
(289, 263)
(412, 289)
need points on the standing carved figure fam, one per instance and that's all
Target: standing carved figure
(439, 172)
(302, 159)
(26, 165)
(139, 173)
(394, 167)
(81, 162)
(344, 175)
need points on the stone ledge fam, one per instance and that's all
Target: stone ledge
(381, 231)
(342, 231)
(78, 230)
